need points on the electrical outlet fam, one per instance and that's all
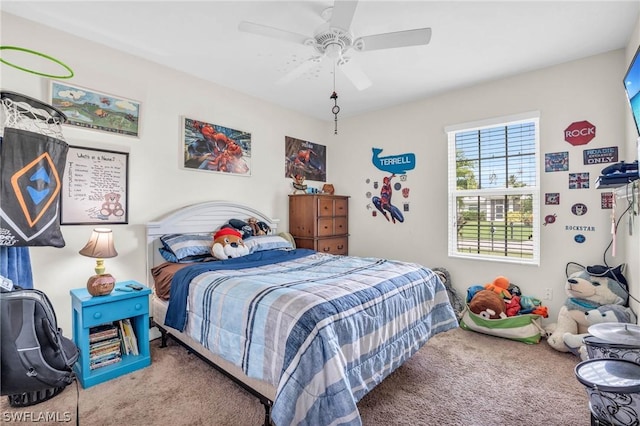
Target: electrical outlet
(548, 294)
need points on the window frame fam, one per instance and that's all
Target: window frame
(454, 192)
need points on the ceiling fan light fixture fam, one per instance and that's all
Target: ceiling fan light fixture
(333, 50)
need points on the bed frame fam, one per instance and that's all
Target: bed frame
(204, 217)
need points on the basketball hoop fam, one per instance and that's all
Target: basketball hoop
(25, 113)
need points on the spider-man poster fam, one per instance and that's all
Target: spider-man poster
(305, 158)
(216, 148)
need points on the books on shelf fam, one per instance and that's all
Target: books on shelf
(102, 332)
(109, 342)
(104, 346)
(130, 342)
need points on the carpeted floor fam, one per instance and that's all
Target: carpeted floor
(458, 378)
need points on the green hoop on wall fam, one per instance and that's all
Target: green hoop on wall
(33, 52)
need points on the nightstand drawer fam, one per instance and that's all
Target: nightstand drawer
(112, 311)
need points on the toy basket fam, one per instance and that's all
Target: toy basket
(524, 328)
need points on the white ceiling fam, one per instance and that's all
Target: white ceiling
(471, 42)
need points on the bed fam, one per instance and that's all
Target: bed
(309, 334)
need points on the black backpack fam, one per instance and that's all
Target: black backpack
(36, 360)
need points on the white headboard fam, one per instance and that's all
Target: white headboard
(202, 217)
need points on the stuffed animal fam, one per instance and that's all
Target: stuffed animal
(227, 243)
(585, 292)
(471, 291)
(299, 186)
(253, 223)
(488, 304)
(500, 285)
(513, 306)
(241, 226)
(602, 314)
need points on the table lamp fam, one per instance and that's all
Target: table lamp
(100, 246)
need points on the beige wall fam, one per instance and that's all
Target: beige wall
(156, 182)
(589, 89)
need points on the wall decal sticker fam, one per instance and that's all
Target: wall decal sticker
(580, 133)
(556, 162)
(549, 219)
(383, 202)
(394, 164)
(579, 180)
(579, 209)
(581, 228)
(606, 200)
(600, 155)
(552, 198)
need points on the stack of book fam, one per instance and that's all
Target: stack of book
(104, 346)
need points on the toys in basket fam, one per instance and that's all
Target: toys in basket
(499, 309)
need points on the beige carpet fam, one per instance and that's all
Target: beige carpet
(458, 378)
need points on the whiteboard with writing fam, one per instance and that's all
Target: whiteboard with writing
(94, 187)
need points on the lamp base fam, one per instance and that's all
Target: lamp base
(101, 285)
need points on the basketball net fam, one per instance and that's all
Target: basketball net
(23, 116)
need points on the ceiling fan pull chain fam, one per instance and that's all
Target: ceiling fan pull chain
(335, 110)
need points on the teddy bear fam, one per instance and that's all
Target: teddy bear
(602, 314)
(585, 292)
(255, 227)
(488, 304)
(111, 205)
(227, 243)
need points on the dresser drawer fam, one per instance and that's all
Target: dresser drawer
(340, 226)
(325, 227)
(341, 207)
(333, 245)
(325, 206)
(112, 311)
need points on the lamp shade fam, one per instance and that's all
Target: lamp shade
(100, 245)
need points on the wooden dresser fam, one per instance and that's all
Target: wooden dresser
(320, 222)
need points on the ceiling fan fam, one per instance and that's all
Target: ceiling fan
(333, 39)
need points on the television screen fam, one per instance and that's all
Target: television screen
(632, 87)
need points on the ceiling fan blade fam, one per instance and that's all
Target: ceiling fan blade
(342, 14)
(264, 30)
(390, 40)
(299, 70)
(354, 73)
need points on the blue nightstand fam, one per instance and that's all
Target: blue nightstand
(90, 311)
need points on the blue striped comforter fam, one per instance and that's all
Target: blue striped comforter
(323, 329)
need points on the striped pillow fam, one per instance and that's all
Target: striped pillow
(266, 242)
(186, 248)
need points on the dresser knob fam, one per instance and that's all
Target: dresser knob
(326, 249)
(138, 306)
(97, 315)
(340, 247)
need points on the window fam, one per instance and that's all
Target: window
(494, 189)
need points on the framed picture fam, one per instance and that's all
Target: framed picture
(93, 110)
(95, 187)
(305, 158)
(214, 148)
